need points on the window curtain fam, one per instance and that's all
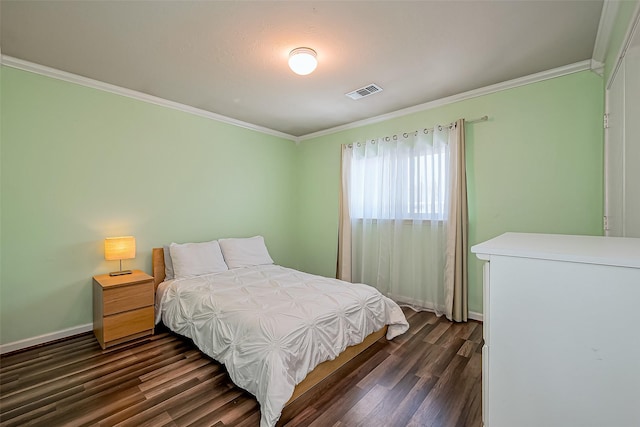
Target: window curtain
(343, 270)
(456, 264)
(400, 198)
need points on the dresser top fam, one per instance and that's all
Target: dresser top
(618, 251)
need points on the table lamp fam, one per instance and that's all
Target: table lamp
(119, 248)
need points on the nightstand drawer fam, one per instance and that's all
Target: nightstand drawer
(123, 307)
(125, 298)
(129, 323)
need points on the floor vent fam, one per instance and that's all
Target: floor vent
(369, 89)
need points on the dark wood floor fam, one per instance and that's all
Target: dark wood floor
(430, 376)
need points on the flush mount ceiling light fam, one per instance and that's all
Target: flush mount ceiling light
(303, 60)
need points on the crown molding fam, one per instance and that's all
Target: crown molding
(107, 87)
(605, 28)
(597, 67)
(510, 84)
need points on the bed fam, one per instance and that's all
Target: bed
(279, 331)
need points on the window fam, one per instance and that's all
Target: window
(400, 228)
(397, 182)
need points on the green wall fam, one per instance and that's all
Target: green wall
(79, 165)
(535, 166)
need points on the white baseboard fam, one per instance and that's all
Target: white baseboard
(65, 333)
(473, 315)
(476, 316)
(43, 339)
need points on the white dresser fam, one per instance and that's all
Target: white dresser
(561, 331)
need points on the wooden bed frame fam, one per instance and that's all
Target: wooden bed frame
(321, 374)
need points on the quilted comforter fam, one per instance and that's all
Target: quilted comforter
(272, 325)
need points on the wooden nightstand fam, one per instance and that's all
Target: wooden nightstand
(123, 307)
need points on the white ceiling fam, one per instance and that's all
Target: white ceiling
(230, 57)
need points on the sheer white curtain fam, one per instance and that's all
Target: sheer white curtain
(395, 205)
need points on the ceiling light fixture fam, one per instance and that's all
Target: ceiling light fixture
(303, 60)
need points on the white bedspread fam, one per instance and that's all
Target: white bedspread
(272, 325)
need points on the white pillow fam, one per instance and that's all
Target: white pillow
(245, 252)
(168, 264)
(196, 259)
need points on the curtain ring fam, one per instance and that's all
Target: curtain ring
(406, 135)
(349, 145)
(426, 131)
(440, 127)
(359, 145)
(395, 137)
(387, 139)
(373, 141)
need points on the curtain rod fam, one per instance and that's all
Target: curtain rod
(451, 125)
(480, 119)
(427, 130)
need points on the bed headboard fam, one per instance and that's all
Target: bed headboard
(158, 266)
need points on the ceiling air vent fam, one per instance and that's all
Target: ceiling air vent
(369, 89)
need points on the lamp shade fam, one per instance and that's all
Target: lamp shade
(116, 248)
(303, 60)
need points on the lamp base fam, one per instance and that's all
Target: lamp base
(120, 273)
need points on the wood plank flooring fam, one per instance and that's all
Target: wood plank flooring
(430, 376)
